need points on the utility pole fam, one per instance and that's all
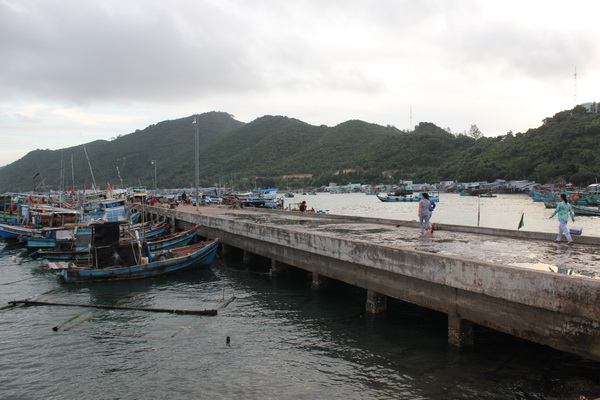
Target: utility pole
(197, 164)
(155, 181)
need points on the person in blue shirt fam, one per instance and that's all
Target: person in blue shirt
(431, 208)
(424, 213)
(564, 210)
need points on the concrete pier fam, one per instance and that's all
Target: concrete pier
(474, 275)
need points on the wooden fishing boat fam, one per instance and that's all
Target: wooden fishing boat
(589, 211)
(12, 233)
(112, 260)
(81, 250)
(64, 239)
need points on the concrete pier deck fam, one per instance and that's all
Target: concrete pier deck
(535, 250)
(517, 282)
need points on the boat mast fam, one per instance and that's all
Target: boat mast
(62, 171)
(72, 173)
(90, 165)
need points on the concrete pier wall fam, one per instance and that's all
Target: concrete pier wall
(557, 310)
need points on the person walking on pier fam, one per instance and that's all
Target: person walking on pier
(564, 210)
(424, 213)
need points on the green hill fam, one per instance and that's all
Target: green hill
(169, 143)
(565, 148)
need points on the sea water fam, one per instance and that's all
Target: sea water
(285, 340)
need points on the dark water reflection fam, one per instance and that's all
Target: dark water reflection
(287, 342)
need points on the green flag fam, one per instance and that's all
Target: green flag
(521, 222)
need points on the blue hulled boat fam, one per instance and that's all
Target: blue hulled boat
(407, 198)
(112, 260)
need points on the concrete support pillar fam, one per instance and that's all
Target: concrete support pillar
(279, 269)
(376, 302)
(460, 332)
(250, 258)
(319, 282)
(231, 251)
(172, 228)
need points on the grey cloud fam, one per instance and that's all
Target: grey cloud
(84, 53)
(538, 54)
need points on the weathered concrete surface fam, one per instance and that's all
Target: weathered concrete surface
(555, 309)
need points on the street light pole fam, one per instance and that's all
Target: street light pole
(155, 182)
(196, 122)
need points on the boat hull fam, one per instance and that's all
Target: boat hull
(405, 199)
(202, 256)
(579, 210)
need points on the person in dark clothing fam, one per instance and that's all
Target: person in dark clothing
(302, 206)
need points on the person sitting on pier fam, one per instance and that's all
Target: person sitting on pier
(302, 206)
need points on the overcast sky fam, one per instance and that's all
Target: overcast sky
(74, 71)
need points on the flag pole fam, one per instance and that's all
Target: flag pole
(478, 209)
(522, 220)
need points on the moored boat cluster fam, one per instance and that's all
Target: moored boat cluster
(100, 236)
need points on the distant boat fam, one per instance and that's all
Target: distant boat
(261, 198)
(487, 195)
(589, 211)
(112, 261)
(408, 198)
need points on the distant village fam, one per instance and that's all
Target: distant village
(498, 186)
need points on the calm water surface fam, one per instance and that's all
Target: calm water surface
(502, 212)
(287, 342)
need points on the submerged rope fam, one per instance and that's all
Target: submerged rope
(21, 280)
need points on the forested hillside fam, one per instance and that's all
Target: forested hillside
(565, 148)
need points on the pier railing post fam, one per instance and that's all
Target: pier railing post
(460, 332)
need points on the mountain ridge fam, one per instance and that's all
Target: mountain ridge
(566, 147)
